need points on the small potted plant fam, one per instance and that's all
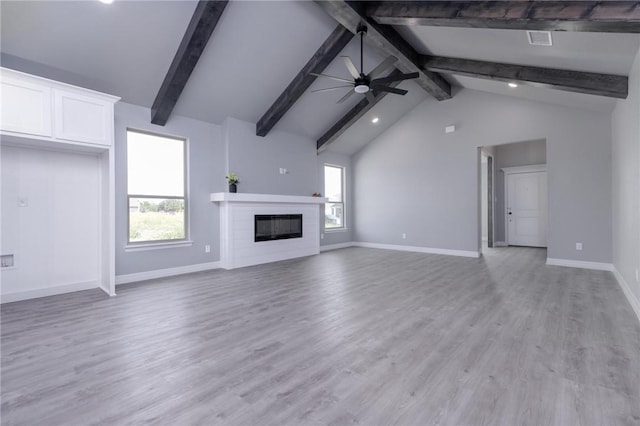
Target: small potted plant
(233, 180)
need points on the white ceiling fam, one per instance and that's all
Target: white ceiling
(125, 47)
(588, 52)
(257, 48)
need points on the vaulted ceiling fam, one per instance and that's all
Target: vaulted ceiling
(258, 48)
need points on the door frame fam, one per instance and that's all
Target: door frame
(491, 185)
(519, 170)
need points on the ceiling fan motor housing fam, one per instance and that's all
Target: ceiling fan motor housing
(361, 85)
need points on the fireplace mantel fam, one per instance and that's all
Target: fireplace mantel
(238, 247)
(219, 197)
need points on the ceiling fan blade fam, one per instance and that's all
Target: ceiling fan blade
(384, 65)
(345, 97)
(344, 80)
(391, 90)
(352, 68)
(400, 77)
(329, 89)
(370, 97)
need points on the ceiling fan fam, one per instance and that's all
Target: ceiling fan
(366, 84)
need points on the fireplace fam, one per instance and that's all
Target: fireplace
(270, 227)
(240, 218)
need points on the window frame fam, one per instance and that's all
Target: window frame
(343, 175)
(185, 170)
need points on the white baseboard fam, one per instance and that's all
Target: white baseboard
(161, 273)
(633, 300)
(335, 246)
(500, 244)
(48, 291)
(598, 266)
(430, 250)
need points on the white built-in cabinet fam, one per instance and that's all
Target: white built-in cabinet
(46, 115)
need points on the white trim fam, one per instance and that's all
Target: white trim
(335, 230)
(633, 301)
(336, 246)
(58, 84)
(161, 273)
(500, 244)
(218, 197)
(598, 266)
(157, 246)
(48, 291)
(430, 250)
(525, 169)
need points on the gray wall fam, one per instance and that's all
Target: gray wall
(513, 155)
(257, 160)
(626, 183)
(344, 235)
(213, 151)
(206, 175)
(416, 179)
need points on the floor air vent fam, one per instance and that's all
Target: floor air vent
(539, 38)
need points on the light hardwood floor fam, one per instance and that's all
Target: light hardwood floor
(352, 336)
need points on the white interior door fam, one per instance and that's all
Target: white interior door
(527, 209)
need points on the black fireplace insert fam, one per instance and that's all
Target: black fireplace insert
(269, 227)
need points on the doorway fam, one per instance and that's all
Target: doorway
(495, 163)
(486, 199)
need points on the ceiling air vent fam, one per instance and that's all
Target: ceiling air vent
(539, 38)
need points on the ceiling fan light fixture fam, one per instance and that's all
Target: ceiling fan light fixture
(361, 88)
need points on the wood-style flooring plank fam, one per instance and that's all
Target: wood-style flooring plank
(357, 335)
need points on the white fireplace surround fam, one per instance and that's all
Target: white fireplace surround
(237, 211)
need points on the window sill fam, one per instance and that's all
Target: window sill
(157, 246)
(335, 230)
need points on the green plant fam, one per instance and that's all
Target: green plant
(232, 178)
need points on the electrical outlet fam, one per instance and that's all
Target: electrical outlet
(404, 236)
(578, 246)
(207, 248)
(322, 236)
(7, 261)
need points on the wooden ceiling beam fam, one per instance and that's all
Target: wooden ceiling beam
(386, 38)
(353, 115)
(615, 86)
(203, 22)
(585, 16)
(326, 53)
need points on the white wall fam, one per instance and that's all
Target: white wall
(626, 186)
(415, 179)
(55, 237)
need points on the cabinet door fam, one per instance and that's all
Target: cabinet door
(82, 118)
(25, 107)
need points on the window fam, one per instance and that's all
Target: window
(156, 187)
(334, 190)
